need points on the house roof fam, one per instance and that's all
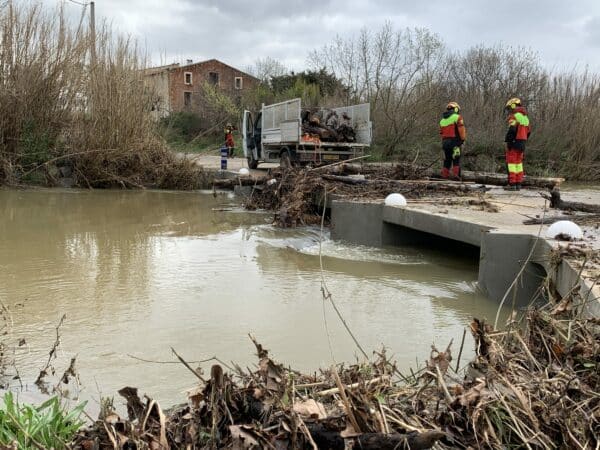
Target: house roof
(176, 66)
(159, 69)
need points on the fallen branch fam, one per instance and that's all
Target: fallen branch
(557, 203)
(346, 161)
(336, 390)
(572, 218)
(491, 178)
(230, 183)
(185, 363)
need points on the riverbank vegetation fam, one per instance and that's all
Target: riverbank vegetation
(74, 106)
(47, 426)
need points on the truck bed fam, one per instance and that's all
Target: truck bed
(282, 125)
(313, 145)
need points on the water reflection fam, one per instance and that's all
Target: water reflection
(139, 272)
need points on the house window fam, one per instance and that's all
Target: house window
(239, 82)
(187, 77)
(213, 78)
(187, 98)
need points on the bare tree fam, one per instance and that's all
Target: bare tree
(408, 76)
(266, 68)
(394, 70)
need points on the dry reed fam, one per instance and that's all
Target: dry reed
(59, 108)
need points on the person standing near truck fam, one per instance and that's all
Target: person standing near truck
(229, 143)
(516, 136)
(453, 132)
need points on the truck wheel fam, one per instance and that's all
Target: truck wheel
(285, 160)
(252, 163)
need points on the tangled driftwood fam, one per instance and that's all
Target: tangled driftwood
(532, 386)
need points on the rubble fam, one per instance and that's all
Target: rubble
(297, 193)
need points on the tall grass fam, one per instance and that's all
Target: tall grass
(46, 426)
(58, 107)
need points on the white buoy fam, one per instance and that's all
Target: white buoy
(564, 230)
(395, 200)
(244, 172)
(271, 181)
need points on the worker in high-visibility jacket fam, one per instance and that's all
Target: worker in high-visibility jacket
(453, 132)
(517, 134)
(229, 140)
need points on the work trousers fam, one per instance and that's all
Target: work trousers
(450, 161)
(514, 163)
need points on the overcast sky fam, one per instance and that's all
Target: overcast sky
(563, 32)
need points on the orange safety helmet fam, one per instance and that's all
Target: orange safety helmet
(453, 106)
(513, 103)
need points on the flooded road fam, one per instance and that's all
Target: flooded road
(137, 273)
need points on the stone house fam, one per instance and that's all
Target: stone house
(179, 87)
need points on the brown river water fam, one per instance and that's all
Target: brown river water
(137, 273)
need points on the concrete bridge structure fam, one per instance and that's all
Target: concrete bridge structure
(504, 243)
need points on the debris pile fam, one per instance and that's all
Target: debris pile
(327, 126)
(533, 385)
(297, 194)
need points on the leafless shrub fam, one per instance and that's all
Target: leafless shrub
(218, 107)
(396, 71)
(60, 107)
(408, 76)
(266, 68)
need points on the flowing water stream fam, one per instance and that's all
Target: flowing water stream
(137, 273)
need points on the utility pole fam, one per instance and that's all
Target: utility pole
(92, 78)
(93, 34)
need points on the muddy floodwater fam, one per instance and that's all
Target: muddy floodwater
(137, 273)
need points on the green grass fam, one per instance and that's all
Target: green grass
(183, 132)
(200, 145)
(49, 425)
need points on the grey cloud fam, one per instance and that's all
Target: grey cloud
(592, 31)
(239, 31)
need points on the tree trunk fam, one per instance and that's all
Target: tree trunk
(344, 179)
(499, 179)
(557, 203)
(496, 179)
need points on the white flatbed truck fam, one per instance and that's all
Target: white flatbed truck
(274, 135)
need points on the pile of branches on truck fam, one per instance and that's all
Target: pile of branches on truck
(328, 126)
